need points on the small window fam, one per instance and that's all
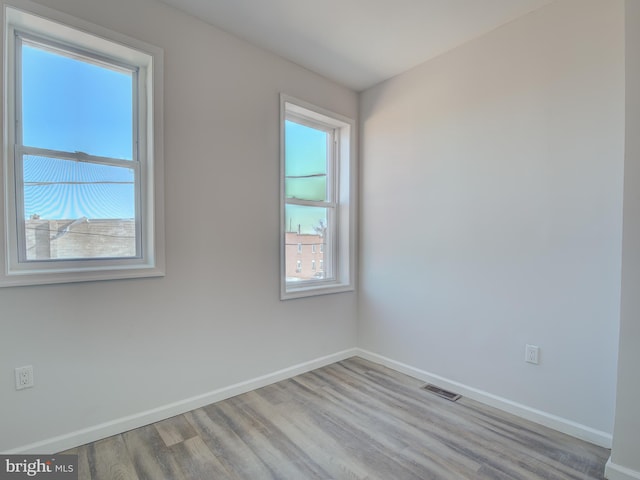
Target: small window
(83, 174)
(299, 266)
(317, 198)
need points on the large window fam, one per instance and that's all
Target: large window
(83, 175)
(318, 200)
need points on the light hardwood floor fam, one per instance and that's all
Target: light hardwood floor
(350, 420)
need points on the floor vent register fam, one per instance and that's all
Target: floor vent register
(441, 392)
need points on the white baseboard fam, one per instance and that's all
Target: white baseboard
(560, 424)
(114, 427)
(613, 471)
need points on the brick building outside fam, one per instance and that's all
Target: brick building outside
(115, 238)
(304, 255)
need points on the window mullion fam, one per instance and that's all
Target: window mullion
(334, 256)
(302, 120)
(310, 203)
(18, 180)
(18, 89)
(76, 156)
(135, 98)
(71, 51)
(19, 205)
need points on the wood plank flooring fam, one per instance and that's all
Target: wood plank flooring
(350, 420)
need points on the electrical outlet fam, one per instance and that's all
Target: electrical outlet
(532, 354)
(24, 377)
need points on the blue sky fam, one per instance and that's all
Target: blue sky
(306, 159)
(73, 105)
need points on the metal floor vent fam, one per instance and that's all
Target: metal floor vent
(441, 392)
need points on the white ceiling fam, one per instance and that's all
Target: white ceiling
(357, 42)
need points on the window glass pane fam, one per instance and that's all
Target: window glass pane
(71, 105)
(306, 220)
(305, 162)
(306, 228)
(78, 210)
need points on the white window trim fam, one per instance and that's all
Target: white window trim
(346, 206)
(42, 21)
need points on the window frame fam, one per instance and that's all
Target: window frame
(52, 28)
(341, 200)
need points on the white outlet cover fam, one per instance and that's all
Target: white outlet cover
(24, 377)
(532, 354)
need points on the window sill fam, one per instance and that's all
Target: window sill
(315, 290)
(47, 278)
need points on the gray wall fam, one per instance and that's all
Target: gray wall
(491, 217)
(491, 212)
(105, 350)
